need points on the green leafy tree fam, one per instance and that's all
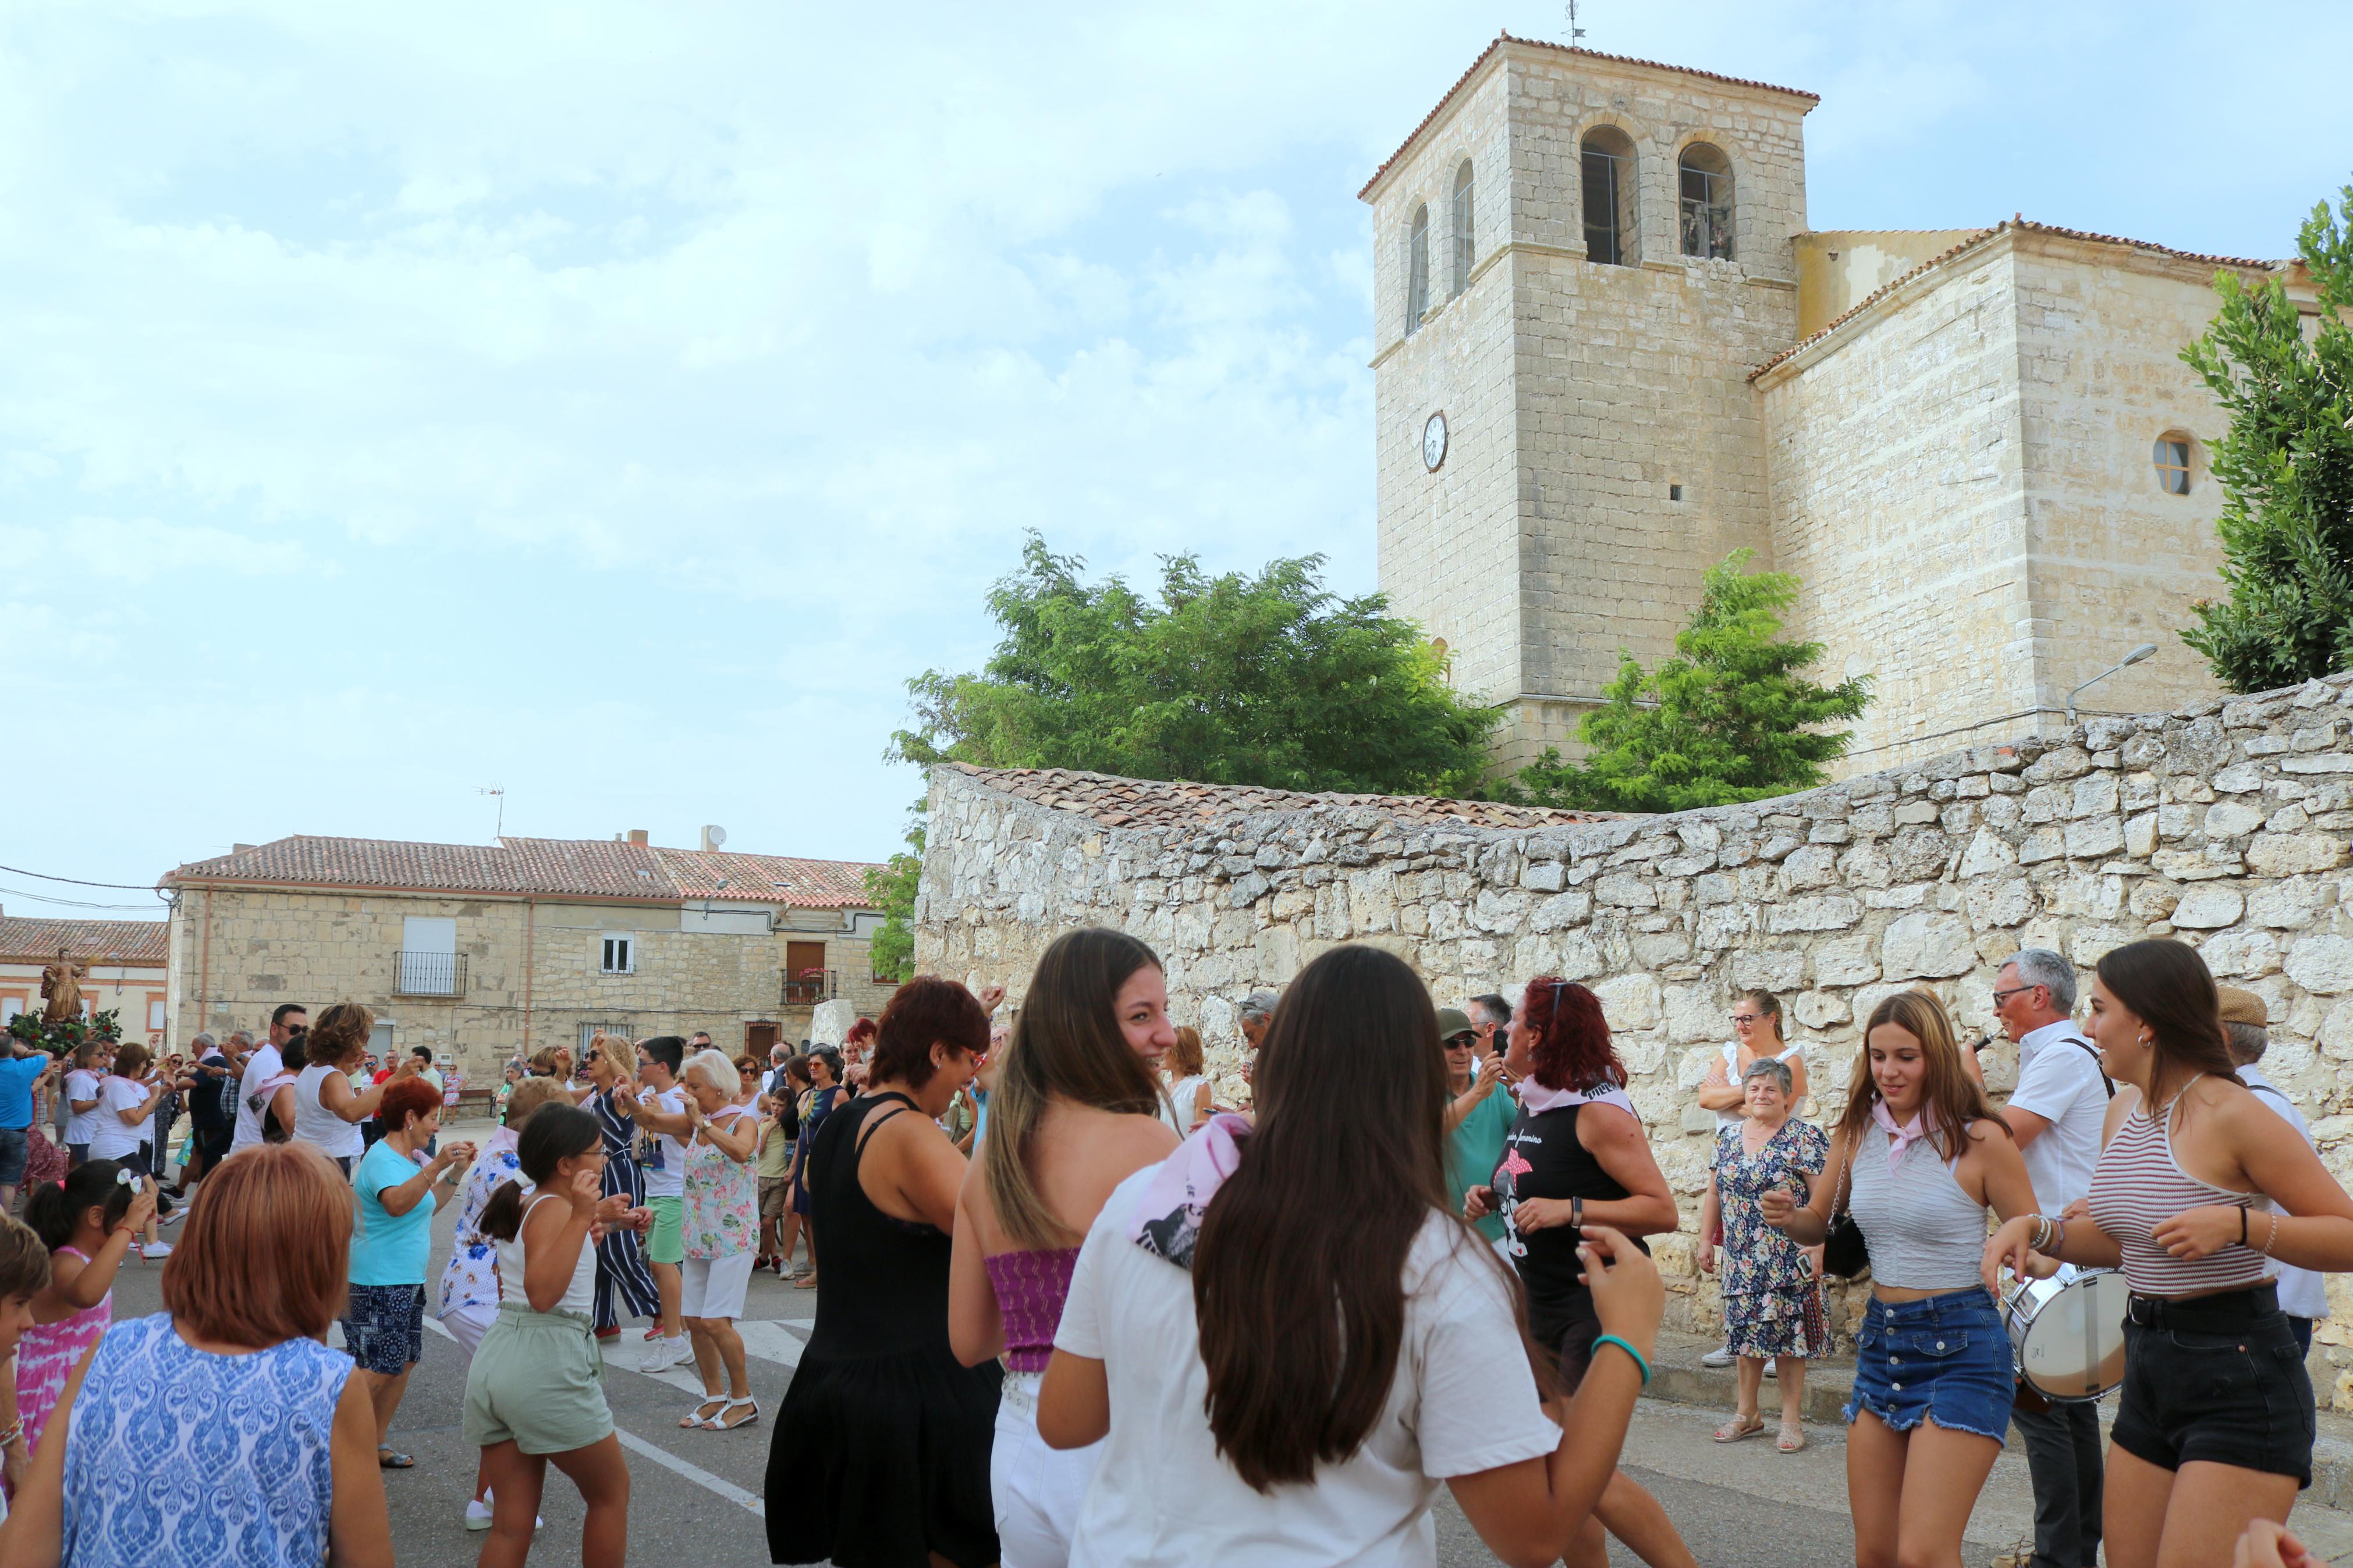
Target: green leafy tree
(1263, 681)
(1731, 717)
(2286, 468)
(890, 887)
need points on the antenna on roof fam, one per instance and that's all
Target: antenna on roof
(499, 791)
(1575, 32)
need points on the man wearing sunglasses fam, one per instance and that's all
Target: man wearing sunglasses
(1478, 1113)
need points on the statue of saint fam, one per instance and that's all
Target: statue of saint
(61, 988)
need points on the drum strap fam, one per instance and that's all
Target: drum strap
(2093, 1052)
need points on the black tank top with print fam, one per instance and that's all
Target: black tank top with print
(1543, 1159)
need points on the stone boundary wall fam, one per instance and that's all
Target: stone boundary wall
(2224, 823)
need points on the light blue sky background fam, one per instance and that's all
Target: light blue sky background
(618, 404)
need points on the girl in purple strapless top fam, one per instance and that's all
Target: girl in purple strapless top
(1075, 1112)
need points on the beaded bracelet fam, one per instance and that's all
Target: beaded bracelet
(1630, 1350)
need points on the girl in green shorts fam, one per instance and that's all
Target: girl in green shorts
(535, 1393)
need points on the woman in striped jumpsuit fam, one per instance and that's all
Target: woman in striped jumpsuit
(624, 1283)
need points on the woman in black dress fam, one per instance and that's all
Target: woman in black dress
(881, 1458)
(1578, 1155)
(624, 1283)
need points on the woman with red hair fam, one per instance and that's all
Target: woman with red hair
(384, 1325)
(1577, 1156)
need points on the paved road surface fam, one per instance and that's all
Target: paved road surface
(696, 1495)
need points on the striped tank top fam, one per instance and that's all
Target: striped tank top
(2138, 1185)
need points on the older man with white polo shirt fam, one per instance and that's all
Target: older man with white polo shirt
(2055, 1113)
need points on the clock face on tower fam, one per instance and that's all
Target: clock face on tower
(1433, 441)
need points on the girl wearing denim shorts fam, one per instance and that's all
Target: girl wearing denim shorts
(2198, 1200)
(1916, 1160)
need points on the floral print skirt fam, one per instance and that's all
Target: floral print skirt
(1790, 1322)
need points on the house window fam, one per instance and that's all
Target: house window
(10, 1005)
(620, 955)
(1675, 492)
(2172, 458)
(154, 1012)
(1466, 249)
(589, 1033)
(1607, 164)
(1706, 177)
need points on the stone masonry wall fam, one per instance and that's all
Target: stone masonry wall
(2224, 823)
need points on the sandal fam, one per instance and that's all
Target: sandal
(721, 1423)
(386, 1460)
(1735, 1429)
(698, 1419)
(1792, 1439)
(807, 1282)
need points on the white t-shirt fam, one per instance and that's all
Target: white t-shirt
(670, 1180)
(1463, 1401)
(82, 1084)
(2059, 1080)
(263, 1064)
(1184, 1095)
(113, 1137)
(2302, 1293)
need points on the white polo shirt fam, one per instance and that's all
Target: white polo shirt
(2059, 1080)
(2302, 1293)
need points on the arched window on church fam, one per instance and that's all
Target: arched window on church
(1610, 225)
(1417, 270)
(1707, 175)
(1466, 245)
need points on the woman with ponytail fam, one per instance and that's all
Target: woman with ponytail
(1286, 1341)
(1076, 1111)
(535, 1392)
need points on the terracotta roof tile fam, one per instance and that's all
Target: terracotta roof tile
(1502, 39)
(106, 941)
(1980, 237)
(578, 868)
(1153, 803)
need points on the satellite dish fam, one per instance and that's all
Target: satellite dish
(714, 836)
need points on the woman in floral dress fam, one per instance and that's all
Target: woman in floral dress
(1772, 1304)
(722, 1223)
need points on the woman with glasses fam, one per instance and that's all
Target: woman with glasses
(1772, 1307)
(1577, 1156)
(624, 1283)
(1478, 1111)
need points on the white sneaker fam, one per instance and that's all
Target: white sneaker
(477, 1515)
(1720, 1356)
(175, 1217)
(154, 1250)
(666, 1353)
(1770, 1362)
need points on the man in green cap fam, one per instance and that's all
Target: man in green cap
(1478, 1118)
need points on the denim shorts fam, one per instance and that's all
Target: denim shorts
(2220, 1379)
(1945, 1359)
(13, 1148)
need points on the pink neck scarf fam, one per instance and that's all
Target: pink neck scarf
(1899, 1138)
(1535, 1099)
(1168, 1220)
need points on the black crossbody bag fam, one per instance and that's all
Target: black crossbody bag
(1845, 1252)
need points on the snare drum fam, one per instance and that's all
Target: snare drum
(2067, 1332)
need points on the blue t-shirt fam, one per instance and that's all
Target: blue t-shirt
(17, 1075)
(386, 1248)
(1475, 1148)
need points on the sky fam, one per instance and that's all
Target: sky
(616, 404)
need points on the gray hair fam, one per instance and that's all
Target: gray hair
(1260, 1004)
(717, 1068)
(2248, 1042)
(1773, 1067)
(202, 1043)
(2041, 967)
(240, 1037)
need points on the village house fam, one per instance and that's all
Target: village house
(126, 969)
(484, 951)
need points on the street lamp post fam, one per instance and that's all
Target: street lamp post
(2135, 657)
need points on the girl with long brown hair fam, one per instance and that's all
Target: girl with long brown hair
(1918, 1157)
(2197, 1201)
(1285, 1342)
(1076, 1111)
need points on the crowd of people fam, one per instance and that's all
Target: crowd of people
(1075, 1311)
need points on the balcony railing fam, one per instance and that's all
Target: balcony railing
(806, 987)
(430, 973)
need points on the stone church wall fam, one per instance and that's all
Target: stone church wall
(2224, 823)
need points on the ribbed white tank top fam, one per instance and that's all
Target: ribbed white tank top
(1925, 1233)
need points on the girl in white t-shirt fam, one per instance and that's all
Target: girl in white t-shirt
(1353, 1334)
(84, 1082)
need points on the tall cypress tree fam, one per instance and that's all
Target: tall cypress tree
(1731, 717)
(2285, 467)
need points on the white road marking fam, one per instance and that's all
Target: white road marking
(694, 1473)
(680, 1378)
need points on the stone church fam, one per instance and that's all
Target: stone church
(1610, 352)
